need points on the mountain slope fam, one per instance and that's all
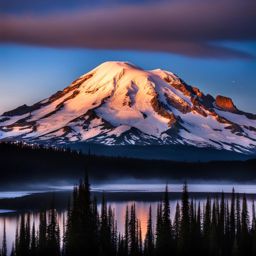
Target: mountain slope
(118, 103)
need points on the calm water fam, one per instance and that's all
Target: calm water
(142, 207)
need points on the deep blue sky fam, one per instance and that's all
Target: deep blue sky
(45, 45)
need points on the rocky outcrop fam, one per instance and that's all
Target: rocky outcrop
(225, 103)
(179, 104)
(24, 109)
(161, 110)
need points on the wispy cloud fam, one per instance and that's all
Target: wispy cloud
(189, 28)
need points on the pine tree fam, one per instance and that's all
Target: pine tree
(164, 245)
(207, 225)
(121, 251)
(222, 230)
(21, 248)
(27, 232)
(133, 232)
(82, 224)
(193, 227)
(53, 233)
(184, 246)
(42, 234)
(232, 218)
(105, 230)
(197, 235)
(113, 230)
(159, 225)
(4, 243)
(176, 224)
(94, 225)
(214, 246)
(126, 237)
(227, 242)
(244, 242)
(238, 217)
(221, 224)
(149, 239)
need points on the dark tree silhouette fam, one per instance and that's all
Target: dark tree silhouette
(184, 246)
(164, 242)
(4, 243)
(53, 234)
(149, 239)
(218, 228)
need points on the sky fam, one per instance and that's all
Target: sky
(45, 45)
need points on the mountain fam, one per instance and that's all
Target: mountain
(118, 103)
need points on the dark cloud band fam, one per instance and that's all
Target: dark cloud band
(186, 28)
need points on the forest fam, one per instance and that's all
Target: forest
(216, 227)
(23, 163)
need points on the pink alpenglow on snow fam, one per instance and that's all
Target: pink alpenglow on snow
(118, 103)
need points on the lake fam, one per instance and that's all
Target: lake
(118, 196)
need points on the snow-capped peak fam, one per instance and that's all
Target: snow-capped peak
(120, 103)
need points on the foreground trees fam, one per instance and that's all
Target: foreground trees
(214, 228)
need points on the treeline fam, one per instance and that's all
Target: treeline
(22, 163)
(218, 227)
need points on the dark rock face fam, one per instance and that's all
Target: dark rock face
(225, 103)
(24, 109)
(161, 110)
